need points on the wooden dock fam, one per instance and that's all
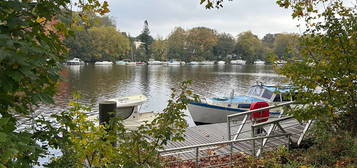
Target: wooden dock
(212, 133)
(225, 140)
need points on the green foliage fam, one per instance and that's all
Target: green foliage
(200, 42)
(159, 49)
(176, 45)
(31, 48)
(249, 47)
(86, 144)
(209, 4)
(331, 148)
(147, 40)
(326, 75)
(224, 47)
(99, 41)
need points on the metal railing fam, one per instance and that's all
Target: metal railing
(241, 119)
(270, 135)
(213, 154)
(274, 125)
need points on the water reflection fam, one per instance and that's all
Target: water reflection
(98, 83)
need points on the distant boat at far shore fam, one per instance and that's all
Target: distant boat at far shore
(103, 63)
(259, 62)
(238, 62)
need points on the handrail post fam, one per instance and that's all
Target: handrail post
(197, 155)
(229, 127)
(307, 126)
(231, 154)
(253, 144)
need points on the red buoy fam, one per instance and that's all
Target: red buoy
(261, 114)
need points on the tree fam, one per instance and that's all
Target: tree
(31, 49)
(108, 44)
(249, 47)
(176, 44)
(286, 45)
(268, 40)
(159, 49)
(146, 39)
(224, 46)
(200, 42)
(328, 57)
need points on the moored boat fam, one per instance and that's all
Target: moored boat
(193, 63)
(259, 62)
(121, 62)
(140, 63)
(216, 109)
(154, 62)
(206, 63)
(103, 63)
(75, 61)
(238, 62)
(131, 63)
(173, 62)
(127, 108)
(221, 62)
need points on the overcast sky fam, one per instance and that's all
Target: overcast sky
(259, 16)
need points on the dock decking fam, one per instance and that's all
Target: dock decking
(212, 133)
(223, 141)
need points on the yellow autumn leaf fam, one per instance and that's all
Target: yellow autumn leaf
(40, 19)
(303, 166)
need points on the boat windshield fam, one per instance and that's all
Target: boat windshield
(260, 92)
(267, 94)
(255, 91)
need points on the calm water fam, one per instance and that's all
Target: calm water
(102, 82)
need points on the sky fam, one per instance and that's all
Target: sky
(259, 16)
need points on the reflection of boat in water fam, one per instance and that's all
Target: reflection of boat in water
(103, 63)
(216, 109)
(128, 109)
(75, 61)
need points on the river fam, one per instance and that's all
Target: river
(102, 82)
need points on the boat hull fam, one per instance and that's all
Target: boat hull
(202, 113)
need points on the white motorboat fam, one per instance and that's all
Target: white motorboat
(75, 61)
(216, 109)
(154, 62)
(259, 62)
(128, 109)
(193, 63)
(221, 62)
(206, 63)
(131, 63)
(238, 62)
(173, 62)
(121, 62)
(279, 62)
(103, 63)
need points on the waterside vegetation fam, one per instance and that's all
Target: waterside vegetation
(32, 48)
(103, 41)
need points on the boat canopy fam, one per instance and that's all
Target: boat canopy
(267, 92)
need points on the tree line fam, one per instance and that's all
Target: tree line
(102, 41)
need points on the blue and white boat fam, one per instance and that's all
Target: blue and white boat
(216, 109)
